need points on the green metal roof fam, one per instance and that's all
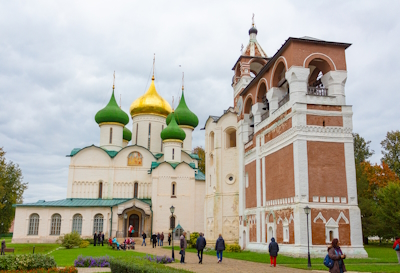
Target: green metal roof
(80, 202)
(112, 113)
(183, 115)
(155, 164)
(158, 156)
(173, 131)
(194, 156)
(127, 134)
(112, 154)
(178, 227)
(200, 176)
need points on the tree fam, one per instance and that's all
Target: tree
(11, 190)
(361, 149)
(391, 150)
(202, 162)
(389, 209)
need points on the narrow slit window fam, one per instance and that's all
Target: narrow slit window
(135, 190)
(137, 130)
(173, 154)
(148, 142)
(173, 189)
(110, 135)
(162, 128)
(100, 190)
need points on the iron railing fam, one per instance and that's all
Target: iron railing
(317, 91)
(284, 100)
(265, 115)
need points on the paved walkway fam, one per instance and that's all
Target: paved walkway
(210, 264)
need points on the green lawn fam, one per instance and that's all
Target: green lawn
(380, 259)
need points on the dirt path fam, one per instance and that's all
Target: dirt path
(210, 264)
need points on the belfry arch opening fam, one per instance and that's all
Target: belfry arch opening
(255, 67)
(279, 81)
(262, 96)
(318, 68)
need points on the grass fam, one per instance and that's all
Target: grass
(380, 259)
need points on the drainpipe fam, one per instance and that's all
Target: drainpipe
(111, 223)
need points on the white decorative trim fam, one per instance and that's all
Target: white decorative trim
(343, 200)
(291, 219)
(329, 199)
(281, 201)
(342, 216)
(315, 198)
(331, 223)
(318, 53)
(322, 199)
(279, 220)
(336, 199)
(319, 216)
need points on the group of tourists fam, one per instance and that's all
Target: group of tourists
(157, 239)
(98, 238)
(200, 245)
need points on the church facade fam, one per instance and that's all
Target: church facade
(294, 149)
(115, 185)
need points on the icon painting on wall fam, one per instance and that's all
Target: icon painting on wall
(135, 159)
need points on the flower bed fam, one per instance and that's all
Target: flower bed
(26, 262)
(159, 259)
(42, 270)
(139, 264)
(89, 261)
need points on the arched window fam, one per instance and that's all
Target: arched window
(55, 224)
(148, 142)
(172, 222)
(33, 224)
(173, 154)
(135, 190)
(173, 189)
(77, 223)
(101, 190)
(230, 138)
(110, 135)
(98, 223)
(211, 141)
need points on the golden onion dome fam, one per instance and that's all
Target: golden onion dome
(150, 103)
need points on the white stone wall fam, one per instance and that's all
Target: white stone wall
(172, 151)
(142, 135)
(117, 137)
(222, 194)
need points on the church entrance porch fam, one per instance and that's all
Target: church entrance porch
(134, 222)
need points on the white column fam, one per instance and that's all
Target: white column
(262, 226)
(297, 78)
(335, 82)
(263, 182)
(257, 111)
(187, 143)
(300, 170)
(258, 221)
(273, 96)
(350, 173)
(243, 136)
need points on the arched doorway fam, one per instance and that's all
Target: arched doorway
(134, 221)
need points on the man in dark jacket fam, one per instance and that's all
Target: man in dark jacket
(220, 247)
(273, 249)
(102, 239)
(3, 246)
(154, 240)
(99, 239)
(95, 238)
(200, 245)
(183, 245)
(144, 238)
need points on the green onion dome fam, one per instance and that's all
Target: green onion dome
(112, 113)
(126, 134)
(172, 131)
(183, 115)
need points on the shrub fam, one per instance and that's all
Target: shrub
(81, 261)
(26, 262)
(233, 248)
(193, 239)
(42, 270)
(136, 264)
(70, 240)
(84, 244)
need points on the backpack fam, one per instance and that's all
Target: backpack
(397, 248)
(328, 262)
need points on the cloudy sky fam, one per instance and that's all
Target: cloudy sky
(57, 59)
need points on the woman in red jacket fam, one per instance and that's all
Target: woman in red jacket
(396, 246)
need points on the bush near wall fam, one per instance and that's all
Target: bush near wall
(70, 240)
(42, 270)
(84, 244)
(233, 248)
(193, 239)
(26, 262)
(6, 235)
(136, 264)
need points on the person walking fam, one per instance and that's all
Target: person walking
(219, 247)
(183, 245)
(273, 250)
(3, 247)
(95, 238)
(396, 247)
(102, 239)
(336, 254)
(158, 238)
(99, 239)
(200, 245)
(169, 238)
(162, 238)
(154, 240)
(144, 238)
